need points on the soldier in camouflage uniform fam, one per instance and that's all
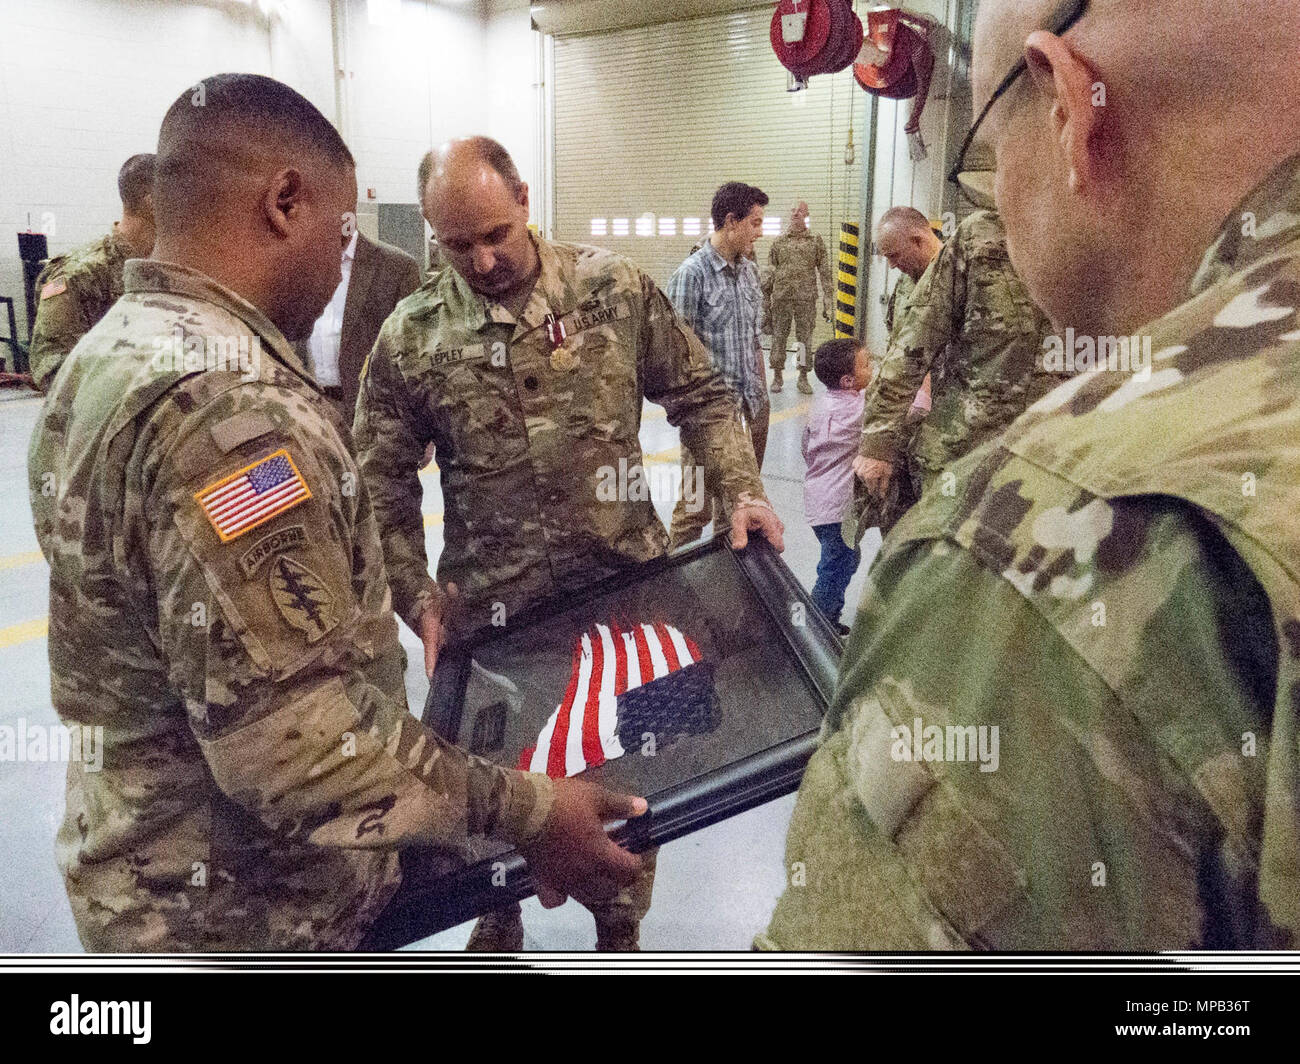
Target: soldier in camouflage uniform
(971, 325)
(1113, 586)
(77, 289)
(905, 240)
(526, 363)
(799, 261)
(218, 600)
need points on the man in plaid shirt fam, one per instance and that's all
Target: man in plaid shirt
(716, 292)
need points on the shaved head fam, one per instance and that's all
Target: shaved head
(1128, 140)
(256, 189)
(905, 239)
(230, 127)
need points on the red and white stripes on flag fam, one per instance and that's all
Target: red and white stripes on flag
(251, 497)
(607, 662)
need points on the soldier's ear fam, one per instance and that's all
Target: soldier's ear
(282, 201)
(1069, 83)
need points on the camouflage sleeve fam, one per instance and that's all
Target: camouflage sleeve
(281, 646)
(61, 321)
(824, 272)
(1076, 771)
(390, 434)
(678, 374)
(923, 329)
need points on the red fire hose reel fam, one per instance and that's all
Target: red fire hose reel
(815, 36)
(891, 57)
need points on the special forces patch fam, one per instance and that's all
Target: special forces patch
(302, 599)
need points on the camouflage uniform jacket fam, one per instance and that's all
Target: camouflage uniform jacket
(259, 767)
(799, 260)
(533, 439)
(971, 324)
(1115, 587)
(76, 290)
(898, 297)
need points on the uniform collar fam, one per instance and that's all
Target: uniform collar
(1266, 221)
(167, 278)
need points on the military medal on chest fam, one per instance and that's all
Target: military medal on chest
(563, 359)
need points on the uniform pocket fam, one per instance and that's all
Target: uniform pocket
(478, 425)
(966, 876)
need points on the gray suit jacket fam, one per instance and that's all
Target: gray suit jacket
(382, 276)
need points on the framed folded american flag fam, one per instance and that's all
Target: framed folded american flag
(699, 681)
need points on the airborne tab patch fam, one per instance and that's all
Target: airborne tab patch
(244, 500)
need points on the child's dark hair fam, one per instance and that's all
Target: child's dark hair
(834, 359)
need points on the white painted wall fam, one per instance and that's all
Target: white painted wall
(415, 78)
(512, 70)
(84, 84)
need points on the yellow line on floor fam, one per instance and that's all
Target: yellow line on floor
(24, 632)
(14, 561)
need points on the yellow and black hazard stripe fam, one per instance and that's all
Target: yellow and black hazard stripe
(846, 286)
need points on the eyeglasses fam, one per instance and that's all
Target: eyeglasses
(1062, 19)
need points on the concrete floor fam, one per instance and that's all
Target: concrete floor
(714, 889)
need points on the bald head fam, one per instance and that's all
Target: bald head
(904, 239)
(478, 207)
(1120, 151)
(255, 188)
(467, 161)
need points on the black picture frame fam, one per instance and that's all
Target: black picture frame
(803, 644)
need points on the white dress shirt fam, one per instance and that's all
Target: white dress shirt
(323, 347)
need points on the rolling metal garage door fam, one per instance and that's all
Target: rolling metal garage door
(649, 121)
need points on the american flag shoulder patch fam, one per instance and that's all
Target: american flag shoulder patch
(252, 496)
(54, 288)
